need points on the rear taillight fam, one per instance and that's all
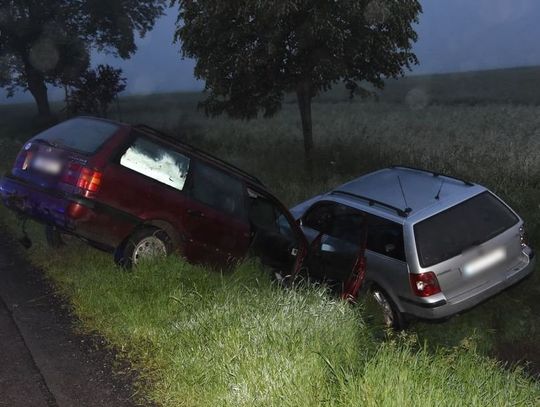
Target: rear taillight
(523, 236)
(82, 177)
(425, 284)
(89, 180)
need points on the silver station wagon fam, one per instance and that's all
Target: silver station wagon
(435, 245)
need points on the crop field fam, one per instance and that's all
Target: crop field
(205, 338)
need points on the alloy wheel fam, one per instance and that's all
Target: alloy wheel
(148, 248)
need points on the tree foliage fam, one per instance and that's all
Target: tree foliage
(252, 52)
(49, 41)
(94, 90)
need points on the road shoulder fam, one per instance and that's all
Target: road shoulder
(54, 365)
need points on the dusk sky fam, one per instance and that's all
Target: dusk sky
(457, 35)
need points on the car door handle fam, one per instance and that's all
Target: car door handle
(195, 213)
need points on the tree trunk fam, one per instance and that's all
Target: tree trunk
(38, 89)
(303, 93)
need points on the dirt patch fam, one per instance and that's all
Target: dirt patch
(525, 352)
(73, 369)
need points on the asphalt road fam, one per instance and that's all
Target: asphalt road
(42, 361)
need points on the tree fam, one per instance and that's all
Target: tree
(94, 90)
(49, 41)
(252, 52)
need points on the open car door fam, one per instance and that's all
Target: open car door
(358, 273)
(337, 255)
(275, 236)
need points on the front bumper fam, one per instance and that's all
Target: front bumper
(443, 309)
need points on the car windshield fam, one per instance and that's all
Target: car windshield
(461, 227)
(83, 135)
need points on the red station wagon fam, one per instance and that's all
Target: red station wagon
(137, 192)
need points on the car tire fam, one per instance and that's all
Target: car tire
(387, 315)
(53, 237)
(143, 244)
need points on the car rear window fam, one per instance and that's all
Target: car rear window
(83, 135)
(461, 227)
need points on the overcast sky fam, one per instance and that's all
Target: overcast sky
(457, 35)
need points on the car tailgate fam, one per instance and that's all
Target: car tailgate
(45, 166)
(482, 266)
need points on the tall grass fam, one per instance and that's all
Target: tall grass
(202, 338)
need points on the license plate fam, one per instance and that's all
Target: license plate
(484, 262)
(48, 165)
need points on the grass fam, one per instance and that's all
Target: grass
(202, 338)
(507, 86)
(497, 86)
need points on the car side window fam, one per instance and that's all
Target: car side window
(284, 225)
(343, 222)
(336, 220)
(265, 215)
(218, 190)
(157, 162)
(320, 217)
(386, 237)
(262, 214)
(347, 224)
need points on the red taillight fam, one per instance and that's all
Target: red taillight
(89, 180)
(425, 284)
(82, 177)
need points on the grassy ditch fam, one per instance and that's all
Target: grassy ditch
(201, 338)
(495, 145)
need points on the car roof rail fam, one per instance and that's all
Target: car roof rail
(198, 151)
(401, 212)
(434, 173)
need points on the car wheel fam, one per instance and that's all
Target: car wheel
(382, 311)
(144, 244)
(53, 237)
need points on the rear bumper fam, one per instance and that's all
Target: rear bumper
(38, 204)
(443, 309)
(86, 218)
